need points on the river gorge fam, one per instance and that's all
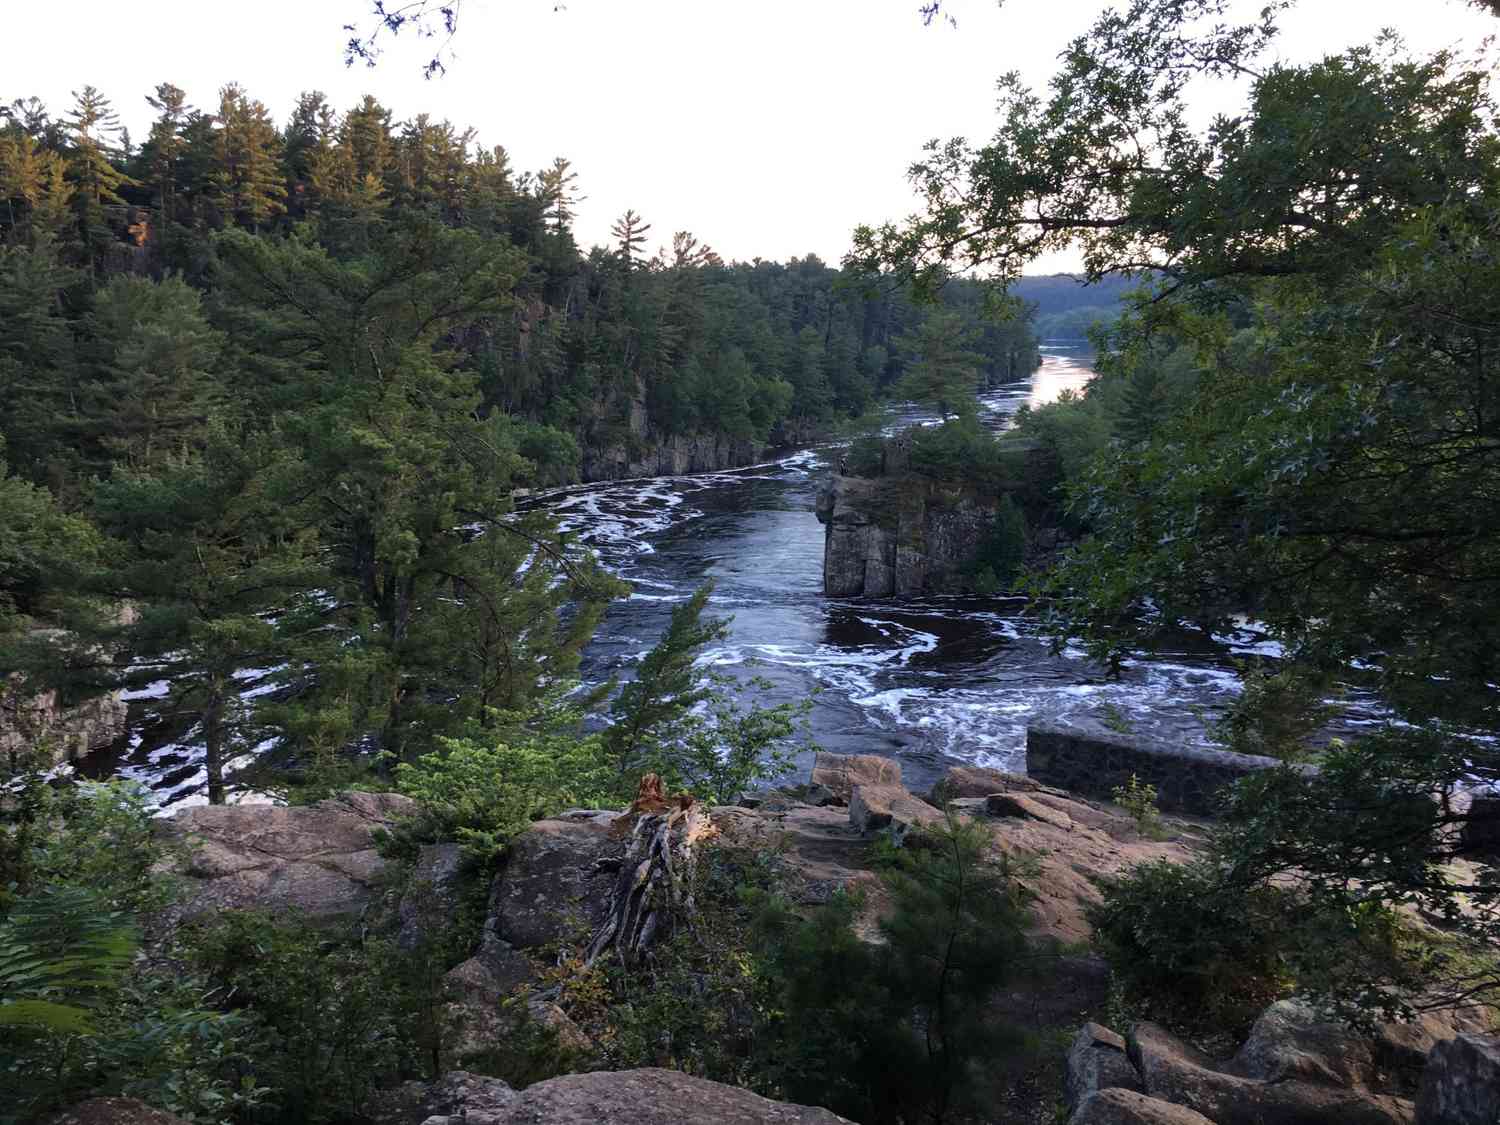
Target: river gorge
(933, 680)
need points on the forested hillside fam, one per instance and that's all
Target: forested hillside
(651, 354)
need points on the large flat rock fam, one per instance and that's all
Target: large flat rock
(315, 863)
(652, 1097)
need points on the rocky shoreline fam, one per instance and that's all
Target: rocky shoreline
(323, 863)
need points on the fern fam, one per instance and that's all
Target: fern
(61, 949)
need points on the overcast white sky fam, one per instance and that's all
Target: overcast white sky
(769, 128)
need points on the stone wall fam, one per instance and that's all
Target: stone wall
(1094, 762)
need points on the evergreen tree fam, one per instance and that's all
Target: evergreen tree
(96, 181)
(630, 232)
(249, 177)
(944, 373)
(163, 149)
(152, 394)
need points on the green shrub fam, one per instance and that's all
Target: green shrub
(336, 1020)
(1191, 948)
(902, 1032)
(481, 793)
(1138, 798)
(1277, 712)
(1002, 555)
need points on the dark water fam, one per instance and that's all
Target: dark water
(932, 680)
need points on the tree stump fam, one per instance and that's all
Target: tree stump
(654, 888)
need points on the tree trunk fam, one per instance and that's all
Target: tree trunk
(213, 743)
(654, 888)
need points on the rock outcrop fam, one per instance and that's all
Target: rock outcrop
(899, 534)
(317, 863)
(1461, 1085)
(840, 773)
(114, 1111)
(1173, 1071)
(67, 733)
(1117, 1106)
(1097, 1060)
(650, 1097)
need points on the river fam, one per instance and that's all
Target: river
(932, 681)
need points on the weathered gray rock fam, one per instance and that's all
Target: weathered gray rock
(68, 733)
(483, 1031)
(899, 534)
(1481, 832)
(1291, 1040)
(652, 1097)
(316, 862)
(552, 887)
(875, 808)
(960, 782)
(1118, 1106)
(1023, 807)
(840, 773)
(1461, 1085)
(1097, 1061)
(1175, 1072)
(473, 1098)
(114, 1111)
(431, 894)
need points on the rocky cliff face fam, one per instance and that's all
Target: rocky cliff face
(898, 534)
(67, 733)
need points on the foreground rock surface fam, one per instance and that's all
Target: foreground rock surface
(1097, 1061)
(840, 773)
(1117, 1106)
(316, 862)
(1461, 1085)
(1175, 1072)
(457, 1094)
(652, 1097)
(114, 1111)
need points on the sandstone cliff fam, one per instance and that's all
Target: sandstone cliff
(899, 534)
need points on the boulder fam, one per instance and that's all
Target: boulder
(1291, 1040)
(473, 1098)
(1481, 831)
(1026, 808)
(432, 893)
(556, 881)
(1461, 1085)
(314, 862)
(1116, 1106)
(1097, 1061)
(653, 1097)
(978, 781)
(484, 1031)
(873, 808)
(1175, 1072)
(114, 1111)
(840, 773)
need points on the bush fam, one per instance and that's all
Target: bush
(1278, 711)
(482, 793)
(1190, 949)
(895, 1033)
(1002, 556)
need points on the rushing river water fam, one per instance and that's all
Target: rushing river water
(932, 680)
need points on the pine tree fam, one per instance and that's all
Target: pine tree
(943, 371)
(95, 127)
(152, 395)
(250, 185)
(164, 146)
(559, 195)
(667, 686)
(630, 232)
